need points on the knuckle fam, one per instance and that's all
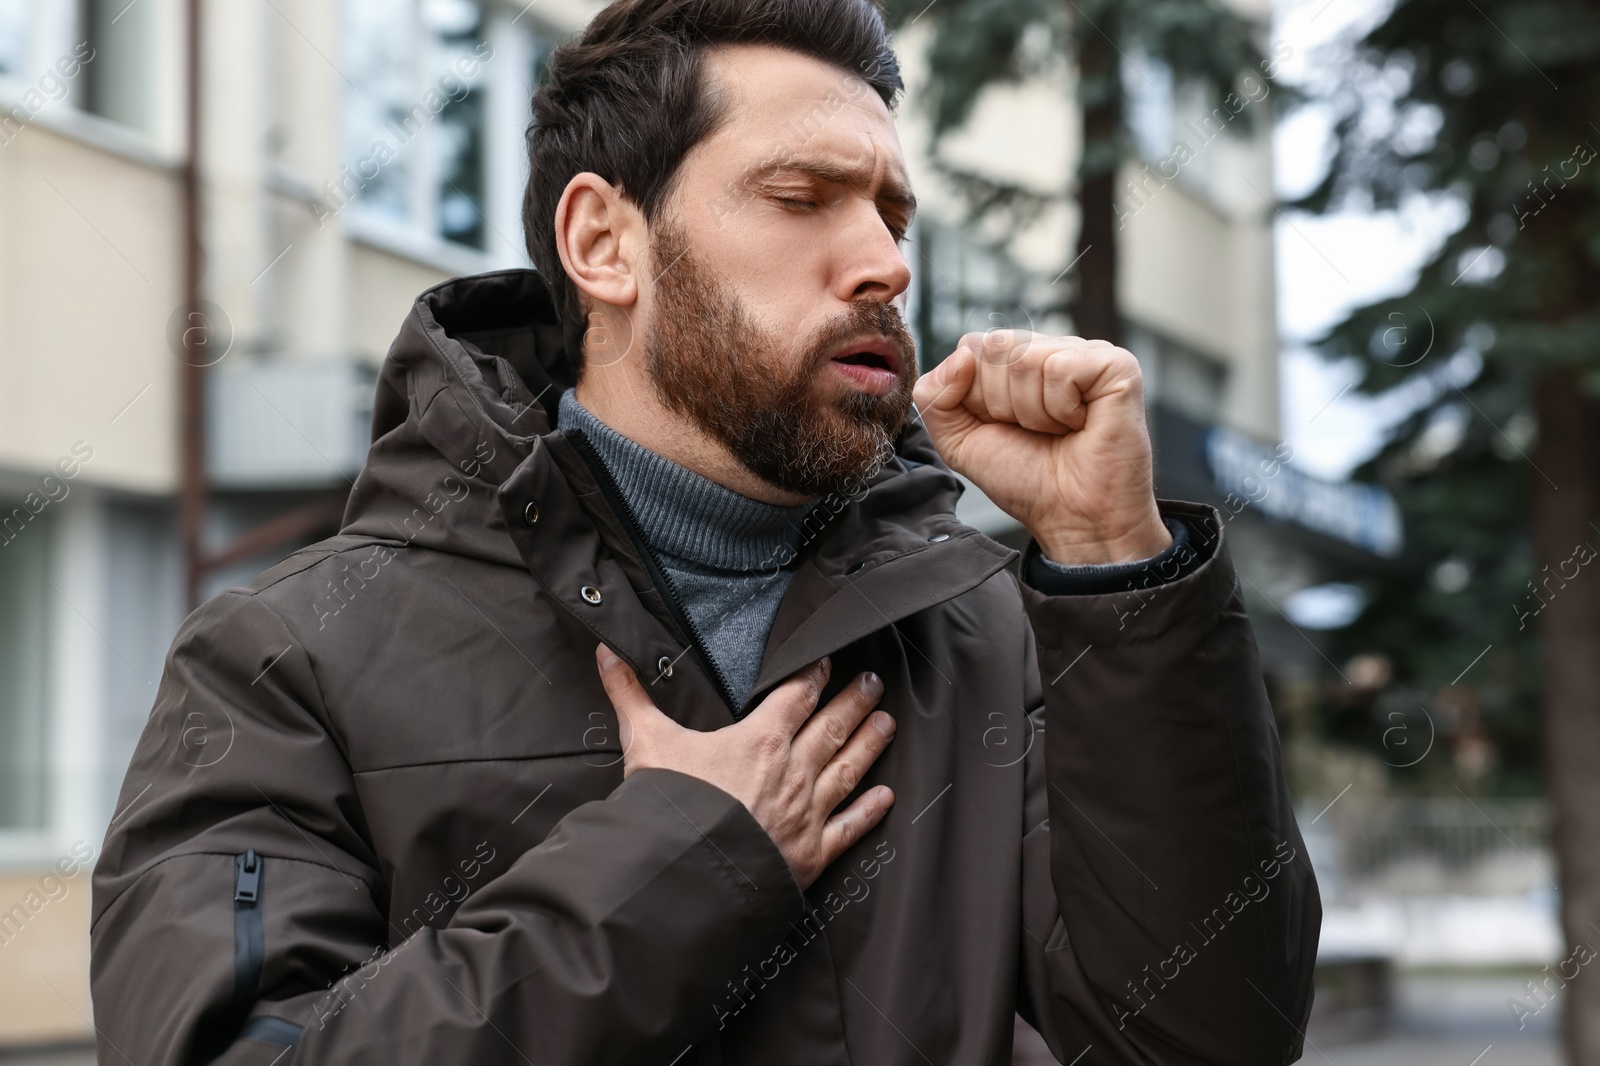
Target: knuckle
(809, 687)
(796, 786)
(849, 775)
(771, 746)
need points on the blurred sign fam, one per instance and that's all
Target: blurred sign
(1254, 473)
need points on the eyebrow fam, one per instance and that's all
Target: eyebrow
(893, 190)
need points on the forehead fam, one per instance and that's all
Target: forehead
(778, 102)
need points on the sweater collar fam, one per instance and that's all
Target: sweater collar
(684, 516)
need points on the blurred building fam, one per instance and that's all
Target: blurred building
(354, 153)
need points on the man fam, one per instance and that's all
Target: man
(673, 717)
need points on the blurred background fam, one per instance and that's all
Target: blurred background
(1354, 244)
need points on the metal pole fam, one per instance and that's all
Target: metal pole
(192, 421)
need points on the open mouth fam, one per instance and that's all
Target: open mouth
(867, 359)
(869, 363)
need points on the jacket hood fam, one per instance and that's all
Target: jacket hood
(467, 387)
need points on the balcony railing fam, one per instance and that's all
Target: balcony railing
(291, 424)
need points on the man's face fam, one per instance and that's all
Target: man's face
(776, 311)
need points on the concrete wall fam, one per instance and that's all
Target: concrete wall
(1205, 279)
(89, 276)
(385, 287)
(44, 964)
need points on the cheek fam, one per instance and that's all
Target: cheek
(783, 313)
(781, 269)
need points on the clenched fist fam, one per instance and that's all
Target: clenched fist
(1052, 429)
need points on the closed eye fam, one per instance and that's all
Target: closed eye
(898, 232)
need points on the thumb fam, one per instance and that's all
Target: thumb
(638, 718)
(939, 395)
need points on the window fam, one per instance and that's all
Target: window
(461, 180)
(13, 38)
(118, 84)
(414, 118)
(1147, 86)
(963, 286)
(1174, 124)
(95, 55)
(1177, 376)
(25, 612)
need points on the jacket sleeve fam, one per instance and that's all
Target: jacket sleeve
(1170, 912)
(240, 912)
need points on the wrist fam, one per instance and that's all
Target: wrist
(1082, 547)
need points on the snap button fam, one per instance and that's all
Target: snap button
(590, 593)
(664, 666)
(530, 513)
(938, 538)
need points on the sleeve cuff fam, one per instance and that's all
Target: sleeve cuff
(1186, 554)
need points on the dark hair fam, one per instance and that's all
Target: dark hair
(626, 101)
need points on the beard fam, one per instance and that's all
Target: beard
(770, 403)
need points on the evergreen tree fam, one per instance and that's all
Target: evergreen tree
(1492, 104)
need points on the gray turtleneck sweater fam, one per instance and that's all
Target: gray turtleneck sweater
(721, 550)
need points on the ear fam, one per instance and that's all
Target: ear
(601, 238)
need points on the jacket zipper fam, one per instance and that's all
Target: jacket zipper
(658, 574)
(248, 948)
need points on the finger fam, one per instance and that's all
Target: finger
(855, 821)
(1000, 346)
(940, 396)
(1093, 376)
(944, 387)
(990, 400)
(637, 714)
(820, 739)
(1027, 385)
(787, 707)
(844, 771)
(1060, 389)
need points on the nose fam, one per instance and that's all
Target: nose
(872, 264)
